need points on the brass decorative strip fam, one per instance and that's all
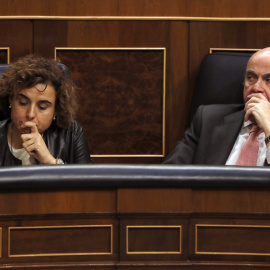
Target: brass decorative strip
(8, 53)
(136, 156)
(154, 252)
(212, 50)
(164, 93)
(227, 226)
(164, 103)
(137, 18)
(60, 227)
(107, 48)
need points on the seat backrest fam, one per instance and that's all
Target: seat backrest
(221, 79)
(3, 68)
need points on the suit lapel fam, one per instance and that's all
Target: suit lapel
(224, 137)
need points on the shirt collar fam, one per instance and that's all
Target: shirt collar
(247, 123)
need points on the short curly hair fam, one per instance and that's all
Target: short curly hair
(33, 69)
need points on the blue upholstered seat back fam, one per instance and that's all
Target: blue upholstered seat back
(3, 68)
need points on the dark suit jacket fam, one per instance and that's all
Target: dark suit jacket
(210, 137)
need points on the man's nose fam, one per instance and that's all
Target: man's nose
(258, 87)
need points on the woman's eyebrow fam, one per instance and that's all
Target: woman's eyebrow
(23, 96)
(44, 101)
(40, 101)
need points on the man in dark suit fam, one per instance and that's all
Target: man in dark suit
(218, 132)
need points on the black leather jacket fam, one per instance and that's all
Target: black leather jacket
(68, 144)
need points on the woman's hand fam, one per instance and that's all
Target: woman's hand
(34, 144)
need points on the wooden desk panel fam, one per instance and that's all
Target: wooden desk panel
(60, 201)
(145, 200)
(231, 200)
(201, 223)
(118, 221)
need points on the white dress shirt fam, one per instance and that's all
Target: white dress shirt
(263, 153)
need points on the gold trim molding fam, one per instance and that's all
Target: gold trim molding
(60, 227)
(137, 18)
(8, 53)
(212, 50)
(227, 226)
(127, 156)
(154, 252)
(164, 92)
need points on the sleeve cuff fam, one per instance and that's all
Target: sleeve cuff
(268, 155)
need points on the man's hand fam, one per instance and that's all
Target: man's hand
(35, 145)
(258, 111)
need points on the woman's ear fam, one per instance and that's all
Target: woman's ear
(10, 101)
(10, 98)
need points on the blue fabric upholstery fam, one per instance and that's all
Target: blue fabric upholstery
(3, 68)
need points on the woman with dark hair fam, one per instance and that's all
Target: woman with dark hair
(38, 101)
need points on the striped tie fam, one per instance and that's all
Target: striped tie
(249, 152)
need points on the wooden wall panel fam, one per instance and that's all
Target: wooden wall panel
(65, 266)
(198, 8)
(16, 35)
(4, 55)
(79, 202)
(48, 35)
(153, 239)
(71, 241)
(61, 240)
(130, 34)
(228, 8)
(158, 200)
(232, 239)
(187, 40)
(226, 201)
(171, 35)
(121, 98)
(170, 232)
(243, 239)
